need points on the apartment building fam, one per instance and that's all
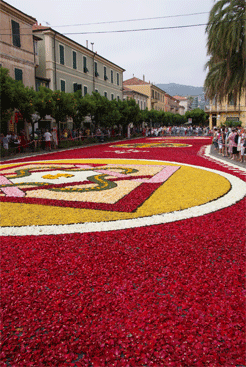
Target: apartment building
(68, 66)
(171, 104)
(140, 98)
(17, 44)
(219, 113)
(156, 96)
(184, 102)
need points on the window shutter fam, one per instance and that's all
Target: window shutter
(18, 74)
(85, 65)
(16, 33)
(61, 54)
(63, 85)
(74, 60)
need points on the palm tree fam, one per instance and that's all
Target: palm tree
(227, 49)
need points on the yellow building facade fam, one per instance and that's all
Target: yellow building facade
(221, 113)
(156, 96)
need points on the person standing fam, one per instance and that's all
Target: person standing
(5, 142)
(47, 139)
(234, 140)
(242, 144)
(54, 137)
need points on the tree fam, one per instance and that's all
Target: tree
(14, 96)
(227, 49)
(129, 113)
(7, 98)
(24, 101)
(199, 117)
(44, 103)
(83, 108)
(63, 105)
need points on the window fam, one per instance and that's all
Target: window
(16, 33)
(106, 94)
(63, 85)
(118, 79)
(112, 97)
(96, 72)
(61, 48)
(74, 60)
(85, 90)
(18, 74)
(76, 87)
(112, 76)
(96, 90)
(118, 98)
(105, 73)
(85, 65)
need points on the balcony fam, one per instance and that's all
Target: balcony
(224, 108)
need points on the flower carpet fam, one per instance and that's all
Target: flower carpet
(125, 254)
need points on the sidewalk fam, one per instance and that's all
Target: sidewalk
(214, 153)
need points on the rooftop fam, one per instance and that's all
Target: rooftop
(134, 81)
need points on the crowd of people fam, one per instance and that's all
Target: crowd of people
(12, 140)
(183, 130)
(230, 142)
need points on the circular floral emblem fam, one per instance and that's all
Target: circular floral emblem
(85, 195)
(160, 144)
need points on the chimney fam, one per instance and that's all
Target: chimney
(144, 78)
(86, 43)
(92, 43)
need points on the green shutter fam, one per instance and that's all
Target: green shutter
(16, 33)
(96, 72)
(85, 90)
(63, 85)
(74, 60)
(18, 74)
(61, 54)
(75, 87)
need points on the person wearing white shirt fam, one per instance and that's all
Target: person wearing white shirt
(47, 139)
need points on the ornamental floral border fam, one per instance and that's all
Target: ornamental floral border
(237, 192)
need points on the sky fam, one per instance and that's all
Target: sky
(174, 55)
